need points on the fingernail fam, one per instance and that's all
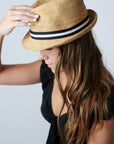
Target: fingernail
(34, 19)
(36, 16)
(29, 24)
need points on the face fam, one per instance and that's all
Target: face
(50, 57)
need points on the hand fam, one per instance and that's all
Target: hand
(17, 16)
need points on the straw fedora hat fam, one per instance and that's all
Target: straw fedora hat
(60, 22)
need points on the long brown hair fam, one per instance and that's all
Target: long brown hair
(88, 87)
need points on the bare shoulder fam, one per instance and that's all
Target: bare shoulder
(104, 135)
(20, 74)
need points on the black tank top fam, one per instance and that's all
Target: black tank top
(47, 79)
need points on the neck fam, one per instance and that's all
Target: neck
(63, 79)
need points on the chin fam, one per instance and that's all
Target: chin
(52, 70)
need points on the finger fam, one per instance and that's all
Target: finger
(20, 23)
(23, 17)
(21, 12)
(21, 7)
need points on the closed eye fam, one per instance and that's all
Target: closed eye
(49, 49)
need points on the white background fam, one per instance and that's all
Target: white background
(21, 121)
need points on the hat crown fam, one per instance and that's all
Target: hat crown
(60, 22)
(58, 14)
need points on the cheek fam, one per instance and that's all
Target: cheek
(54, 55)
(53, 58)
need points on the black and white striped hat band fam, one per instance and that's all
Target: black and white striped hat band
(62, 33)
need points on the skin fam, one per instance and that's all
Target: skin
(50, 57)
(25, 74)
(104, 135)
(21, 74)
(99, 135)
(14, 17)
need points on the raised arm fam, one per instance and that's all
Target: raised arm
(20, 74)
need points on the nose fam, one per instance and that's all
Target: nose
(43, 56)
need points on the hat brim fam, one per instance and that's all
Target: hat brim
(37, 45)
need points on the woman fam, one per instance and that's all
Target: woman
(78, 90)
